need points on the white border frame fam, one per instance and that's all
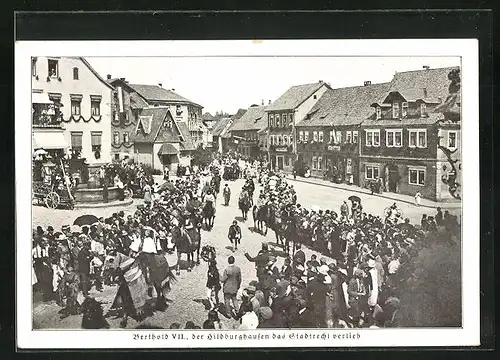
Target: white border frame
(468, 335)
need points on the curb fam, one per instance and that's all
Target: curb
(104, 205)
(443, 205)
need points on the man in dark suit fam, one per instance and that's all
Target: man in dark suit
(232, 282)
(84, 258)
(234, 234)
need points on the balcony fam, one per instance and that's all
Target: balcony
(46, 121)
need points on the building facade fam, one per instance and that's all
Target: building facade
(328, 137)
(244, 131)
(400, 142)
(160, 141)
(282, 116)
(83, 107)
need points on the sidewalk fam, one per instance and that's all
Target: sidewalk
(426, 203)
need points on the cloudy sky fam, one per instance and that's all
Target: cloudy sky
(230, 83)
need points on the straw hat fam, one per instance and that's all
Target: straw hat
(323, 269)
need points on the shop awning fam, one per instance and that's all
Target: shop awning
(40, 98)
(168, 149)
(49, 140)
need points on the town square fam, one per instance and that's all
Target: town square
(324, 205)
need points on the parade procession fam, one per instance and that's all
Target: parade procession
(166, 218)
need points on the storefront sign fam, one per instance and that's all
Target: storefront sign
(334, 147)
(281, 149)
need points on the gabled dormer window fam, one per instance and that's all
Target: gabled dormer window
(395, 110)
(378, 112)
(423, 109)
(404, 109)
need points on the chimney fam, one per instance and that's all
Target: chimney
(262, 102)
(425, 92)
(160, 84)
(122, 79)
(173, 89)
(367, 83)
(426, 67)
(269, 102)
(109, 76)
(321, 81)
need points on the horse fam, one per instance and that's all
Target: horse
(262, 216)
(286, 234)
(209, 215)
(137, 277)
(187, 241)
(244, 204)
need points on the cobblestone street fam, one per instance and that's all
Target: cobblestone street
(187, 293)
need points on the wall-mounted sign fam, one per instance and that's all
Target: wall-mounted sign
(334, 147)
(281, 149)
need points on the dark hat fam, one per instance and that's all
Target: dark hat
(250, 289)
(50, 228)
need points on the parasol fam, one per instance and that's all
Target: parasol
(40, 152)
(354, 198)
(86, 220)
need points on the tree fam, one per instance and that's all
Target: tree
(201, 156)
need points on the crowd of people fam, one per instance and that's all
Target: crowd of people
(354, 283)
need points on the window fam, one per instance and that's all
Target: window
(378, 112)
(423, 109)
(95, 105)
(338, 136)
(348, 137)
(395, 110)
(287, 160)
(320, 163)
(320, 136)
(306, 136)
(117, 156)
(178, 110)
(284, 123)
(76, 140)
(290, 119)
(96, 138)
(452, 139)
(277, 117)
(271, 120)
(315, 97)
(116, 138)
(417, 176)
(315, 136)
(125, 138)
(280, 139)
(332, 136)
(372, 137)
(301, 135)
(314, 162)
(53, 68)
(404, 109)
(33, 67)
(393, 138)
(75, 73)
(76, 106)
(355, 136)
(417, 138)
(372, 172)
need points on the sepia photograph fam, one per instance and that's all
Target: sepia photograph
(228, 194)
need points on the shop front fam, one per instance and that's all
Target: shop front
(341, 167)
(282, 158)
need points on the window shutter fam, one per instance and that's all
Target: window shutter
(76, 140)
(96, 139)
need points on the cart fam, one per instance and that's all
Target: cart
(46, 194)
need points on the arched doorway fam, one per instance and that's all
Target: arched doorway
(392, 177)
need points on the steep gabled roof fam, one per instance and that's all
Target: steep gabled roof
(255, 118)
(137, 102)
(344, 106)
(207, 117)
(187, 144)
(434, 81)
(295, 96)
(220, 126)
(150, 119)
(157, 93)
(92, 70)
